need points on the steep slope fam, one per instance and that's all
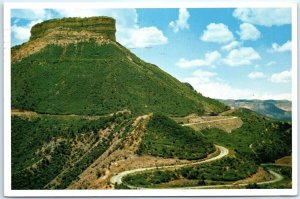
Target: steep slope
(77, 99)
(68, 67)
(45, 146)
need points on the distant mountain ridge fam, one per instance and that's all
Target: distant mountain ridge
(276, 109)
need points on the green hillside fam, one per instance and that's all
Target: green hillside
(165, 138)
(84, 108)
(91, 78)
(222, 171)
(260, 138)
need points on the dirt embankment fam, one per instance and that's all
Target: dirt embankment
(119, 157)
(286, 160)
(226, 123)
(260, 176)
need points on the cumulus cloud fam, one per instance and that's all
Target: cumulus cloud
(287, 46)
(31, 14)
(145, 37)
(129, 33)
(279, 96)
(271, 63)
(181, 23)
(248, 32)
(218, 33)
(281, 77)
(241, 56)
(124, 17)
(221, 90)
(218, 90)
(231, 45)
(209, 59)
(210, 85)
(204, 76)
(264, 16)
(22, 33)
(256, 75)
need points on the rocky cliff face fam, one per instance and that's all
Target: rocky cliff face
(67, 31)
(99, 27)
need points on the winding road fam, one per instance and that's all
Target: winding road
(277, 178)
(117, 179)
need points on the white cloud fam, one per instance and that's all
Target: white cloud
(282, 77)
(181, 22)
(145, 37)
(248, 32)
(231, 45)
(22, 33)
(264, 16)
(280, 96)
(241, 56)
(271, 63)
(31, 14)
(221, 90)
(129, 33)
(210, 85)
(218, 90)
(256, 75)
(218, 33)
(283, 48)
(210, 59)
(204, 76)
(124, 17)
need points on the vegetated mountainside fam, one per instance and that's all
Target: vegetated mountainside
(93, 109)
(79, 99)
(259, 138)
(79, 71)
(164, 137)
(226, 170)
(44, 147)
(59, 151)
(276, 109)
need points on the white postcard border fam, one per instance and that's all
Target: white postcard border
(157, 192)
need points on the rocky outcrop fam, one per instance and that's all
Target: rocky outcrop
(67, 31)
(97, 26)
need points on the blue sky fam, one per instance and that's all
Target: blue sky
(224, 53)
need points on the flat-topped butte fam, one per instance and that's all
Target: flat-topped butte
(63, 32)
(104, 26)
